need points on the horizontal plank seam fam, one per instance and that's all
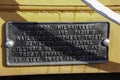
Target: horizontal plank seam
(52, 8)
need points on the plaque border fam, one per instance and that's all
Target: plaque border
(54, 63)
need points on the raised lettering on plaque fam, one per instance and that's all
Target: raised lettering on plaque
(30, 43)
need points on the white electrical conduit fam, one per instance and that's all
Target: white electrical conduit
(103, 10)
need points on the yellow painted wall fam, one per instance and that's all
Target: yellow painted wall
(63, 15)
(55, 2)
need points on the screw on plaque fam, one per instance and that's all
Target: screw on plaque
(9, 43)
(106, 42)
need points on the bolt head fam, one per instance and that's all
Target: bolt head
(106, 42)
(9, 43)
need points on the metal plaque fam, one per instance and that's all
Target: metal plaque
(31, 43)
